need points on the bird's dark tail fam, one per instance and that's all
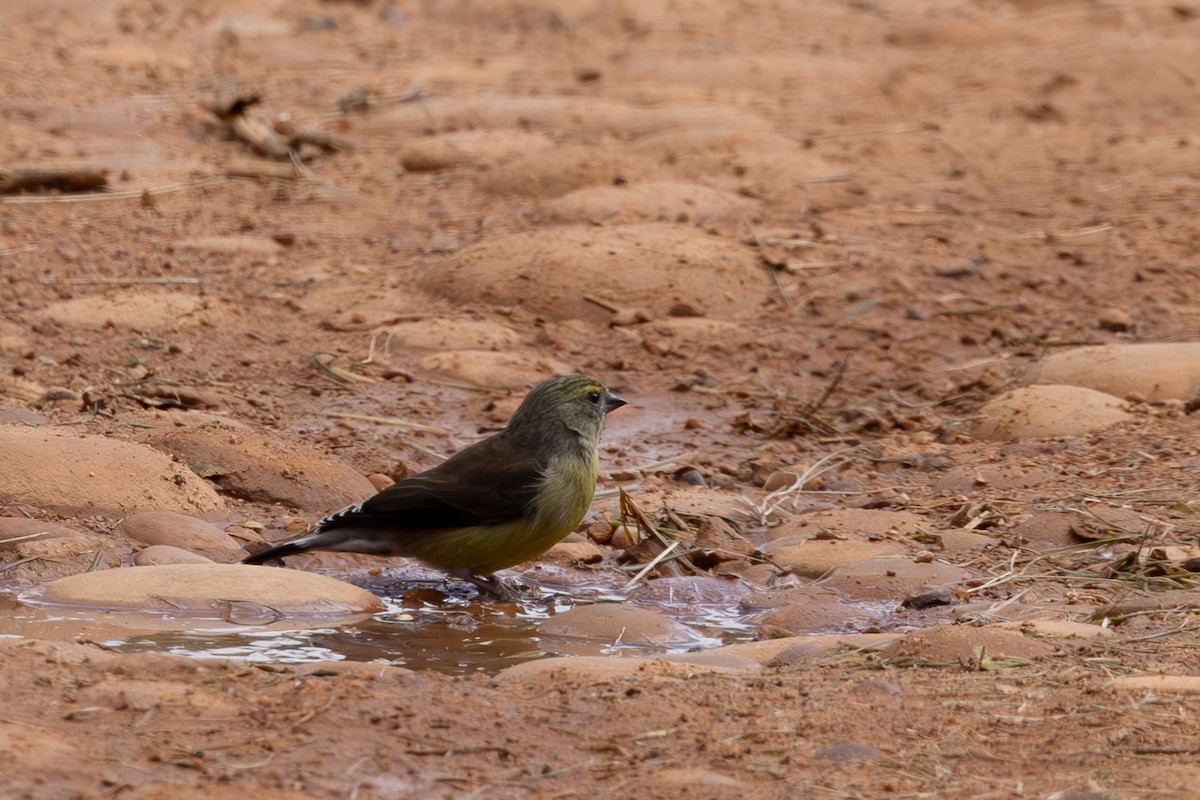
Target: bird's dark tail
(278, 551)
(337, 532)
(315, 538)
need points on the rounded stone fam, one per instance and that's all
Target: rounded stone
(812, 558)
(614, 624)
(60, 471)
(1034, 412)
(551, 272)
(891, 579)
(182, 532)
(252, 464)
(1154, 371)
(158, 554)
(233, 592)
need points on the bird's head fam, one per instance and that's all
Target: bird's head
(574, 401)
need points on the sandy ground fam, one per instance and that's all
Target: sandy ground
(784, 230)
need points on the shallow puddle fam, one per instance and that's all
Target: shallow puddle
(428, 625)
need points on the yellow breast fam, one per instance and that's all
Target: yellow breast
(560, 505)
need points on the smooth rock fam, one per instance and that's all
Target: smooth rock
(159, 554)
(550, 272)
(713, 658)
(599, 668)
(43, 551)
(971, 477)
(229, 245)
(572, 554)
(1050, 530)
(232, 592)
(450, 333)
(365, 670)
(812, 558)
(1034, 412)
(702, 781)
(20, 416)
(493, 111)
(891, 579)
(474, 147)
(182, 532)
(431, 155)
(844, 752)
(586, 629)
(17, 530)
(853, 523)
(1159, 684)
(794, 649)
(1117, 320)
(355, 307)
(253, 465)
(959, 542)
(1058, 628)
(783, 166)
(554, 171)
(142, 311)
(956, 644)
(494, 369)
(56, 470)
(1153, 371)
(685, 591)
(661, 201)
(812, 609)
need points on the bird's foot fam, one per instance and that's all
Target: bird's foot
(491, 586)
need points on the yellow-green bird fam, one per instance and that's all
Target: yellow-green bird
(502, 501)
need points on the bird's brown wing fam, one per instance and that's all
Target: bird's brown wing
(483, 484)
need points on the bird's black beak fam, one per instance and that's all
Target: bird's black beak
(613, 401)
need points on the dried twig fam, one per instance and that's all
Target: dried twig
(399, 423)
(53, 179)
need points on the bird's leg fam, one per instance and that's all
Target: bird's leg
(490, 585)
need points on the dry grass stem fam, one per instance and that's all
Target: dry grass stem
(399, 423)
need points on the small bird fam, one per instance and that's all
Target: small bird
(502, 501)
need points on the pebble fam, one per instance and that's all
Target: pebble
(844, 752)
(1035, 412)
(166, 554)
(1115, 319)
(182, 532)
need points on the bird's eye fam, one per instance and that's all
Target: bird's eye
(594, 396)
